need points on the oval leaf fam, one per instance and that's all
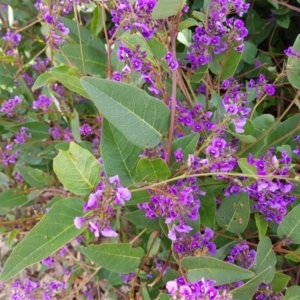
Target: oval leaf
(167, 8)
(138, 218)
(215, 269)
(119, 155)
(293, 66)
(77, 169)
(141, 118)
(54, 230)
(290, 226)
(12, 198)
(246, 291)
(234, 212)
(119, 258)
(152, 170)
(265, 258)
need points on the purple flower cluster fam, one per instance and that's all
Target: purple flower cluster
(135, 17)
(108, 193)
(8, 106)
(217, 32)
(135, 61)
(194, 118)
(32, 290)
(85, 129)
(153, 153)
(240, 255)
(175, 203)
(292, 53)
(272, 196)
(195, 245)
(265, 293)
(50, 16)
(13, 39)
(42, 103)
(200, 290)
(297, 149)
(233, 101)
(172, 62)
(58, 133)
(261, 86)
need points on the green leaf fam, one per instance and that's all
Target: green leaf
(42, 80)
(12, 198)
(94, 60)
(97, 21)
(119, 258)
(163, 297)
(280, 135)
(35, 177)
(66, 76)
(265, 259)
(138, 197)
(119, 155)
(290, 226)
(165, 8)
(262, 225)
(152, 170)
(38, 130)
(77, 169)
(253, 22)
(245, 167)
(7, 74)
(187, 23)
(246, 291)
(138, 218)
(292, 293)
(234, 212)
(283, 21)
(280, 281)
(214, 269)
(293, 66)
(208, 209)
(141, 118)
(199, 74)
(53, 231)
(188, 145)
(249, 53)
(226, 63)
(75, 126)
(85, 36)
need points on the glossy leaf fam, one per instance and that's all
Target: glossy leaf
(119, 258)
(152, 170)
(141, 118)
(246, 291)
(188, 145)
(290, 226)
(94, 60)
(265, 259)
(214, 269)
(119, 155)
(77, 169)
(234, 212)
(12, 198)
(165, 8)
(53, 231)
(138, 218)
(262, 225)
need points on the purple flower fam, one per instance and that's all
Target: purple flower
(108, 232)
(116, 76)
(270, 89)
(173, 65)
(79, 221)
(178, 155)
(213, 151)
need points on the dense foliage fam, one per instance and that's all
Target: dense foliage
(149, 149)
